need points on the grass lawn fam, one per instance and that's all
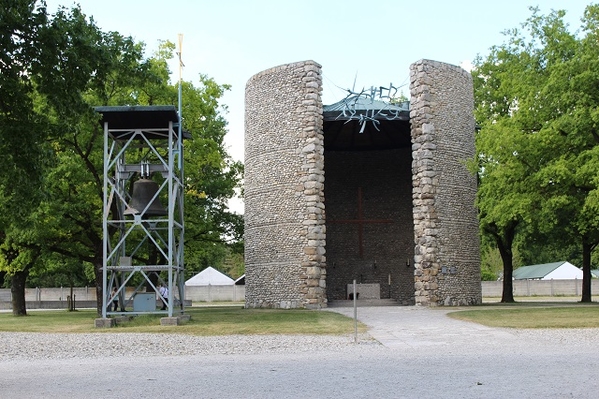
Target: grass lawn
(229, 320)
(533, 315)
(211, 320)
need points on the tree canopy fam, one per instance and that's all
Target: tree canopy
(56, 68)
(536, 103)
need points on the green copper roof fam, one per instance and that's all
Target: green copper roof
(535, 271)
(353, 107)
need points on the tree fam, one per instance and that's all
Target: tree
(211, 179)
(537, 149)
(503, 198)
(570, 178)
(24, 129)
(62, 66)
(51, 64)
(18, 255)
(211, 176)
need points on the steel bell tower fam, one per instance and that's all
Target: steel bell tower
(143, 211)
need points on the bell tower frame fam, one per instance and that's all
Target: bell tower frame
(143, 248)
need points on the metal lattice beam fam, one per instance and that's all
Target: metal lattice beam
(142, 250)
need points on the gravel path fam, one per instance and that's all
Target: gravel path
(408, 353)
(38, 346)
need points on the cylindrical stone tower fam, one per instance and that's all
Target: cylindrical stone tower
(285, 233)
(284, 188)
(447, 258)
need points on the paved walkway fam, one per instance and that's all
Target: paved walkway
(405, 327)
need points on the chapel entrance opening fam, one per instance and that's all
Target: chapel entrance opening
(368, 200)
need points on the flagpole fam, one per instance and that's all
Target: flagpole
(180, 138)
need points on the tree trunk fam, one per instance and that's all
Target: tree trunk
(587, 249)
(505, 240)
(507, 296)
(99, 286)
(17, 289)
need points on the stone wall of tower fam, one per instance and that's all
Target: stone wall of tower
(285, 233)
(447, 259)
(284, 188)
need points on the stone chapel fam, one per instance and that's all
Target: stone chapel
(362, 191)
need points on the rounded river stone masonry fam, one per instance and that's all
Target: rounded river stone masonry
(284, 188)
(446, 254)
(285, 233)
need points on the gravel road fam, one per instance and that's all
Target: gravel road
(409, 352)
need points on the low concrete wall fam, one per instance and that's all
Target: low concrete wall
(51, 298)
(215, 293)
(7, 305)
(56, 298)
(539, 288)
(52, 294)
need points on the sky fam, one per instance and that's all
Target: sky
(358, 43)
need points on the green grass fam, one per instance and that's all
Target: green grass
(48, 321)
(229, 320)
(532, 316)
(204, 321)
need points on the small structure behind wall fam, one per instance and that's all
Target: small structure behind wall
(210, 285)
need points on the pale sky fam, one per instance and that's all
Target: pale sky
(372, 42)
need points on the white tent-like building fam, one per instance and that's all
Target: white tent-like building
(209, 276)
(548, 271)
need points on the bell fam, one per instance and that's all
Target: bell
(143, 192)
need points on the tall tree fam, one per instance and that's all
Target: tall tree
(536, 95)
(71, 67)
(504, 160)
(53, 62)
(75, 184)
(211, 176)
(570, 178)
(24, 128)
(503, 198)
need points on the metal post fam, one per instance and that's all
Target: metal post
(171, 224)
(105, 216)
(180, 263)
(355, 315)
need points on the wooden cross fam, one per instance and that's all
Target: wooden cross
(360, 221)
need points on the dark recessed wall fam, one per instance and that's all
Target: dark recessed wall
(385, 180)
